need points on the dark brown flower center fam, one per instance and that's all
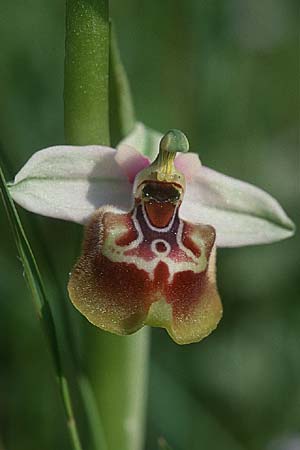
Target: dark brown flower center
(161, 192)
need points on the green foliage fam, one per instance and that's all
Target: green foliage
(42, 306)
(57, 345)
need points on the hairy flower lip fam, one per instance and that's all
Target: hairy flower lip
(134, 271)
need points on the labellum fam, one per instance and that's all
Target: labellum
(149, 266)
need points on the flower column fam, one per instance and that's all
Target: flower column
(118, 364)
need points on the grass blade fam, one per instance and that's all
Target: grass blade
(42, 306)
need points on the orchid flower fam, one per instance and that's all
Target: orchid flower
(153, 222)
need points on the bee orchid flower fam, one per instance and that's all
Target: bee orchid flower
(152, 225)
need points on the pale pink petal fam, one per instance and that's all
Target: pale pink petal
(70, 183)
(189, 164)
(241, 214)
(143, 139)
(130, 161)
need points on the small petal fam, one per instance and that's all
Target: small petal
(242, 214)
(144, 139)
(189, 164)
(70, 183)
(131, 161)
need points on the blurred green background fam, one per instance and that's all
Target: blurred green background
(227, 74)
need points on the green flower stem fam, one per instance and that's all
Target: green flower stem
(118, 365)
(120, 376)
(86, 72)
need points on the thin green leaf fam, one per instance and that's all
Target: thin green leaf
(42, 306)
(121, 109)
